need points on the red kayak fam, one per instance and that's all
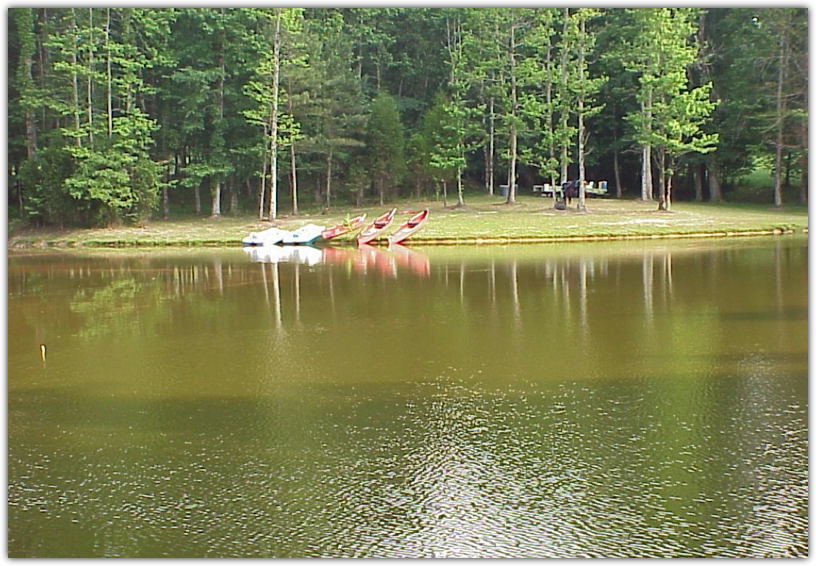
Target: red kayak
(377, 227)
(344, 227)
(409, 228)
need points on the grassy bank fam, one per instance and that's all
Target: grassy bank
(483, 220)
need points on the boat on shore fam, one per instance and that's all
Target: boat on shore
(409, 228)
(344, 227)
(268, 237)
(304, 235)
(377, 227)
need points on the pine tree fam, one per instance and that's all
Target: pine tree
(385, 145)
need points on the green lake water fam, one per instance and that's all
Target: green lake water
(629, 399)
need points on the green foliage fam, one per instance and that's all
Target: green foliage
(111, 186)
(442, 131)
(385, 143)
(660, 50)
(46, 199)
(682, 119)
(113, 102)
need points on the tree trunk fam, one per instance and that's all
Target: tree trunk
(25, 21)
(165, 202)
(75, 82)
(564, 109)
(262, 204)
(780, 120)
(646, 177)
(216, 199)
(511, 173)
(218, 179)
(714, 180)
(803, 161)
(661, 157)
(109, 76)
(273, 190)
(548, 91)
(197, 199)
(697, 174)
(459, 188)
(490, 151)
(667, 199)
(618, 189)
(646, 187)
(511, 181)
(295, 210)
(616, 159)
(31, 129)
(90, 75)
(360, 194)
(235, 206)
(329, 160)
(581, 157)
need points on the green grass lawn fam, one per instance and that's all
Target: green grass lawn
(483, 219)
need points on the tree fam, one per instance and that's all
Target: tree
(495, 43)
(660, 51)
(484, 53)
(539, 102)
(119, 103)
(277, 25)
(584, 89)
(448, 150)
(200, 86)
(335, 116)
(515, 23)
(384, 143)
(24, 20)
(790, 97)
(442, 135)
(114, 177)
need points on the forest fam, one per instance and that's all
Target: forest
(120, 115)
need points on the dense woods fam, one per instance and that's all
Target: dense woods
(123, 114)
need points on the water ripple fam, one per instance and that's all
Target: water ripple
(448, 468)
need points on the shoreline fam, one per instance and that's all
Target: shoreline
(474, 241)
(484, 221)
(609, 238)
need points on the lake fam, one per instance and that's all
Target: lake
(621, 399)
